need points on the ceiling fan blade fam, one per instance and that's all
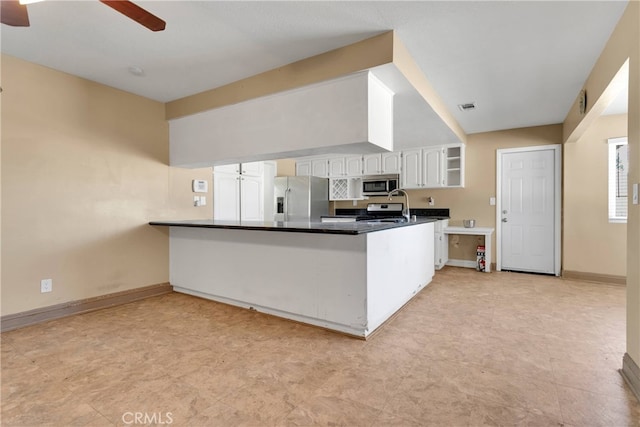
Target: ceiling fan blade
(13, 13)
(136, 13)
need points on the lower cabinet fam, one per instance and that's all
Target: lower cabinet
(441, 244)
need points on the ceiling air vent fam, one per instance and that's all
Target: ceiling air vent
(467, 107)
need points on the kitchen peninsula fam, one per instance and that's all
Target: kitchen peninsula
(348, 277)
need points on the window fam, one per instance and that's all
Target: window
(618, 169)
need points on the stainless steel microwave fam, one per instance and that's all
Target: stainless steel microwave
(380, 185)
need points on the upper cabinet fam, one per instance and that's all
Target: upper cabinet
(386, 163)
(337, 167)
(438, 166)
(330, 167)
(320, 167)
(454, 166)
(353, 165)
(432, 176)
(252, 168)
(411, 176)
(303, 168)
(433, 167)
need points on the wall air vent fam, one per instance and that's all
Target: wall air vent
(467, 107)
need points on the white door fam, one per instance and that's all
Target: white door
(528, 210)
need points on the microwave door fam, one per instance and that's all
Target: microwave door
(375, 187)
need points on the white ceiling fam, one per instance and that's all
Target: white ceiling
(522, 62)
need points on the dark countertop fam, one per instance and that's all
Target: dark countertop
(349, 228)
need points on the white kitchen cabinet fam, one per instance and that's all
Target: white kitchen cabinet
(391, 162)
(251, 198)
(337, 166)
(230, 168)
(386, 163)
(411, 176)
(432, 176)
(303, 168)
(441, 252)
(371, 164)
(348, 188)
(353, 165)
(226, 194)
(239, 196)
(270, 170)
(345, 166)
(320, 167)
(454, 166)
(439, 166)
(252, 168)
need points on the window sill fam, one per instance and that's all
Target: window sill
(617, 220)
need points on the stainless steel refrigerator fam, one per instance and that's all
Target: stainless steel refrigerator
(301, 198)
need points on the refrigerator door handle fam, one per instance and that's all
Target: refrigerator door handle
(286, 203)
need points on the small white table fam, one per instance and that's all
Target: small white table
(475, 231)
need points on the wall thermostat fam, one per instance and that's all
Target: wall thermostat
(199, 185)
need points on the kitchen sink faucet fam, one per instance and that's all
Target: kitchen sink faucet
(405, 211)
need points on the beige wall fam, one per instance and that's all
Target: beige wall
(591, 243)
(623, 45)
(286, 167)
(84, 168)
(472, 201)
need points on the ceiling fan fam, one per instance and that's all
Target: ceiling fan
(14, 13)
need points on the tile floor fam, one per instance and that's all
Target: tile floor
(471, 349)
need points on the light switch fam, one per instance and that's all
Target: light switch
(203, 200)
(492, 201)
(635, 194)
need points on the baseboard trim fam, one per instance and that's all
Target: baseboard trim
(462, 263)
(631, 374)
(595, 277)
(39, 315)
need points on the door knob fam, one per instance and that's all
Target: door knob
(504, 219)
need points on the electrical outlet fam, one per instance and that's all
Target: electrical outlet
(46, 285)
